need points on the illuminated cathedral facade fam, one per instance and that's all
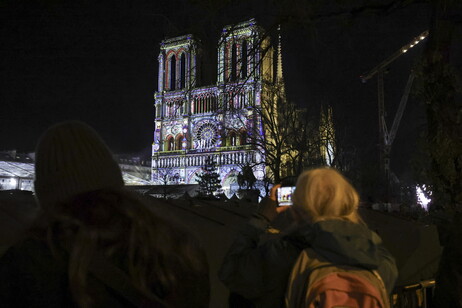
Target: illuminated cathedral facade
(194, 122)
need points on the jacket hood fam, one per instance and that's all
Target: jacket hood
(340, 242)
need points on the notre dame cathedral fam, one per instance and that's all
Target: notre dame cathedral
(194, 122)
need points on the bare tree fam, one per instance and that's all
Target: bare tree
(285, 136)
(166, 177)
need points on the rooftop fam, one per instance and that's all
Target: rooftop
(13, 169)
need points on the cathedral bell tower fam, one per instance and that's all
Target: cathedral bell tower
(178, 73)
(194, 124)
(178, 63)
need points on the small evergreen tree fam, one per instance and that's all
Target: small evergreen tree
(209, 179)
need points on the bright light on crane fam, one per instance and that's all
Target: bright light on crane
(416, 41)
(404, 49)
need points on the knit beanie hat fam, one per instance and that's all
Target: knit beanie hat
(71, 159)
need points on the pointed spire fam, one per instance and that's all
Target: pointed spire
(279, 76)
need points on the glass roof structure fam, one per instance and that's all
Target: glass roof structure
(16, 169)
(12, 169)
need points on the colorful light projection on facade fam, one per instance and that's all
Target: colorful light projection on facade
(192, 122)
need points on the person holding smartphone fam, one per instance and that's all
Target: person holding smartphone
(325, 219)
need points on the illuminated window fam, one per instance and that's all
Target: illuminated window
(232, 139)
(244, 59)
(170, 144)
(179, 141)
(172, 72)
(183, 71)
(194, 106)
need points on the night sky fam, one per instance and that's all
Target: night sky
(98, 63)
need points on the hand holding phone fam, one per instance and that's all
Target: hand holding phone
(284, 195)
(268, 206)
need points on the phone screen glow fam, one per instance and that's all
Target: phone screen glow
(284, 195)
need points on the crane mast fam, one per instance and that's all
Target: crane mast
(387, 137)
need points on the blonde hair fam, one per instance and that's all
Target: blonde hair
(324, 193)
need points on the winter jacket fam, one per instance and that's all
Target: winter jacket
(259, 271)
(31, 277)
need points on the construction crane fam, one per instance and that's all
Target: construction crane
(387, 137)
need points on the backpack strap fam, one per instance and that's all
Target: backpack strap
(382, 289)
(299, 278)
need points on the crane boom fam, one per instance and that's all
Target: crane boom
(380, 67)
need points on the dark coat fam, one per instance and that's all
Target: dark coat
(259, 271)
(31, 276)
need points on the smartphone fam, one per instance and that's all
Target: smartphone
(284, 195)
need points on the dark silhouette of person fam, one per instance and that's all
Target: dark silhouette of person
(97, 244)
(325, 219)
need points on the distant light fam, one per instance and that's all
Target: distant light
(422, 198)
(416, 42)
(404, 50)
(422, 37)
(412, 45)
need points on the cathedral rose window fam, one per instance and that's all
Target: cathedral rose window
(206, 135)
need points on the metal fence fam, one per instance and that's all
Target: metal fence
(414, 296)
